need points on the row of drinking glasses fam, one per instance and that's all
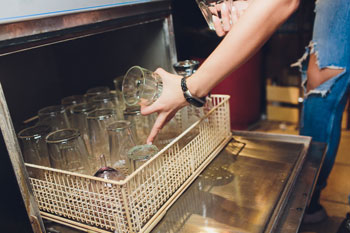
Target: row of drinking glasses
(74, 135)
(103, 130)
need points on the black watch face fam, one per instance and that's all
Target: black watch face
(194, 102)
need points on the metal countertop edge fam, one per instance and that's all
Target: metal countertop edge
(294, 210)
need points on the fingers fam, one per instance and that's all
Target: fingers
(158, 125)
(234, 15)
(160, 71)
(225, 14)
(225, 17)
(218, 27)
(221, 18)
(146, 110)
(238, 9)
(241, 6)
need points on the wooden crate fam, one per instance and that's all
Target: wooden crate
(277, 96)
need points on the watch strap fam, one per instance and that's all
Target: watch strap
(196, 101)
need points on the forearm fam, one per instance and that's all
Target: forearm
(253, 29)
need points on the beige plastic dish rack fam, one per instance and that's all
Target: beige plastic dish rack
(137, 203)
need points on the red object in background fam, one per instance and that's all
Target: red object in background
(244, 87)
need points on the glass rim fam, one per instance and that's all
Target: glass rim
(104, 113)
(141, 69)
(52, 110)
(151, 149)
(97, 90)
(38, 132)
(74, 134)
(103, 97)
(133, 111)
(83, 108)
(118, 126)
(72, 100)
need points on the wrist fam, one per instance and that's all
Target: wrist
(195, 88)
(190, 98)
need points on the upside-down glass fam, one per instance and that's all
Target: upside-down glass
(217, 8)
(141, 125)
(140, 154)
(96, 91)
(34, 148)
(67, 151)
(118, 83)
(121, 140)
(72, 100)
(79, 120)
(141, 86)
(54, 116)
(98, 121)
(108, 100)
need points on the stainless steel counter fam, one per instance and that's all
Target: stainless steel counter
(258, 183)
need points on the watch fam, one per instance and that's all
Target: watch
(193, 100)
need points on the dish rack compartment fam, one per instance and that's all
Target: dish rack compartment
(137, 203)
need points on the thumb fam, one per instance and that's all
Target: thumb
(160, 71)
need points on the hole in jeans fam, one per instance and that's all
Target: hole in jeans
(317, 76)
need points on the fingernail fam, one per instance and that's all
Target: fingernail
(149, 143)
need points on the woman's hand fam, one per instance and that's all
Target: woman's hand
(229, 17)
(170, 101)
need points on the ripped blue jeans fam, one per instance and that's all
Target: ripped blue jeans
(323, 106)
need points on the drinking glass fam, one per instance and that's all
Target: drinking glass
(141, 125)
(72, 100)
(33, 145)
(141, 86)
(118, 83)
(140, 154)
(121, 140)
(98, 121)
(108, 100)
(79, 120)
(218, 8)
(186, 68)
(54, 116)
(96, 91)
(67, 151)
(108, 173)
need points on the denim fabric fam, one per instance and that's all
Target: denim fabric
(323, 107)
